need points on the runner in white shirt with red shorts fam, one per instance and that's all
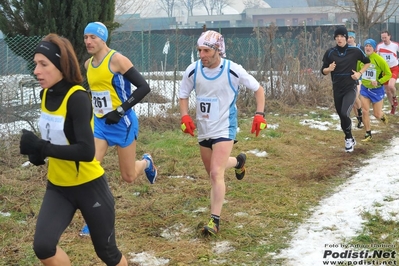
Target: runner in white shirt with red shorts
(388, 50)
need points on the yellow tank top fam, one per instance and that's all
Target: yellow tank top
(109, 90)
(62, 172)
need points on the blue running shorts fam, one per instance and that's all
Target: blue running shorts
(122, 134)
(375, 95)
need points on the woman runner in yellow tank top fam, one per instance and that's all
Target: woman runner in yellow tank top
(76, 179)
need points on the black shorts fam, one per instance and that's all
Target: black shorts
(208, 143)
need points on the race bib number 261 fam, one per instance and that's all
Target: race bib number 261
(102, 103)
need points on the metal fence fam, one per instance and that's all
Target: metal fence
(250, 47)
(283, 59)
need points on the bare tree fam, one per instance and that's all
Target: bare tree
(209, 6)
(131, 7)
(168, 6)
(190, 5)
(368, 12)
(220, 4)
(253, 4)
(215, 7)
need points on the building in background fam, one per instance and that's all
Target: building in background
(236, 13)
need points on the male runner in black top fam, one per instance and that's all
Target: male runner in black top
(341, 61)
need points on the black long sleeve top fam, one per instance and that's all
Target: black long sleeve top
(77, 127)
(346, 59)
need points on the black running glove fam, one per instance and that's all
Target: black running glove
(30, 143)
(36, 159)
(112, 117)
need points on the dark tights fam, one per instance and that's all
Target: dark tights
(96, 203)
(344, 100)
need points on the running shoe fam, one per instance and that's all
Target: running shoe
(393, 109)
(367, 137)
(384, 119)
(350, 144)
(211, 228)
(394, 105)
(240, 172)
(359, 124)
(85, 231)
(151, 171)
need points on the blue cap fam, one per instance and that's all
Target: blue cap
(370, 42)
(352, 34)
(98, 29)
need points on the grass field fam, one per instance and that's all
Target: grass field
(160, 223)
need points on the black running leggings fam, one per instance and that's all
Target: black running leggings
(96, 203)
(343, 101)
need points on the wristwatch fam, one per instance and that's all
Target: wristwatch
(260, 113)
(120, 111)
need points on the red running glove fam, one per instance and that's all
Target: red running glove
(258, 124)
(187, 125)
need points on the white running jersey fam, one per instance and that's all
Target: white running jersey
(389, 52)
(216, 91)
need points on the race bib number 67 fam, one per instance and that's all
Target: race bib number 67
(207, 108)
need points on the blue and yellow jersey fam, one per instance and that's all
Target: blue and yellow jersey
(109, 90)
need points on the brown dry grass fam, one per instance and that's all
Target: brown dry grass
(303, 166)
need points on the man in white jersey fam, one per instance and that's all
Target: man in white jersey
(216, 81)
(388, 50)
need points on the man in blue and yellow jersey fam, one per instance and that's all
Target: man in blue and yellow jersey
(110, 76)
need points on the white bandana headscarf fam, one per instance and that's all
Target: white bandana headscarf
(214, 40)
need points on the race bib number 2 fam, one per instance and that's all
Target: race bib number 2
(207, 108)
